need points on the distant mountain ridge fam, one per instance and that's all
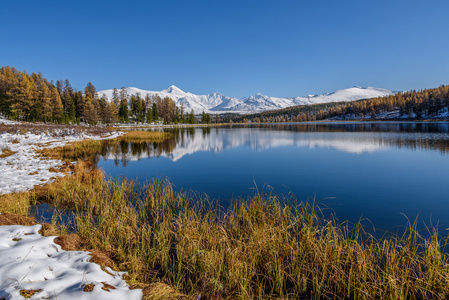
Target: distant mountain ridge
(219, 103)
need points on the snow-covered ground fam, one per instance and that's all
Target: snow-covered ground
(31, 262)
(24, 169)
(6, 121)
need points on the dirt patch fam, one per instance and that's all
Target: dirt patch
(15, 219)
(101, 258)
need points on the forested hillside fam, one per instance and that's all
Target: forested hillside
(31, 97)
(425, 104)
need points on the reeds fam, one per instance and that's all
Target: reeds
(140, 136)
(73, 151)
(260, 248)
(16, 203)
(87, 149)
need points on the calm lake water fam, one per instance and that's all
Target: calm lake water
(378, 171)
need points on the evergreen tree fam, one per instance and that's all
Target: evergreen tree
(155, 112)
(115, 97)
(205, 118)
(149, 116)
(123, 111)
(60, 86)
(192, 117)
(68, 102)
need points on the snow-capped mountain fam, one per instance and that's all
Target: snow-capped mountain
(219, 103)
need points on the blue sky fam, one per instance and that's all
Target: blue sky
(278, 48)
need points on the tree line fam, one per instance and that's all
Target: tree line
(31, 97)
(428, 103)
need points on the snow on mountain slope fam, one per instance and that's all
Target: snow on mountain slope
(219, 103)
(198, 103)
(351, 94)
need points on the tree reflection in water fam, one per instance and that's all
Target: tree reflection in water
(349, 137)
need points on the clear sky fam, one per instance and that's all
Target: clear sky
(278, 48)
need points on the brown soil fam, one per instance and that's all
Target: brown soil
(70, 242)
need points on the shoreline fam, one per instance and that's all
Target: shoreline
(163, 239)
(39, 263)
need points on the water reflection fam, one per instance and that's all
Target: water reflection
(378, 171)
(356, 138)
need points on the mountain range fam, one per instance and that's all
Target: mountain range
(219, 103)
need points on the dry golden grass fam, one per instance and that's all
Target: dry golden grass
(15, 219)
(73, 151)
(257, 249)
(6, 152)
(140, 135)
(16, 203)
(162, 291)
(29, 293)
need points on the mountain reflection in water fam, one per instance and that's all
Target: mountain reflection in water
(379, 171)
(354, 138)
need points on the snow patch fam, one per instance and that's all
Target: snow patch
(31, 261)
(23, 170)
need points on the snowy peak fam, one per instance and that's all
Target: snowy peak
(219, 103)
(173, 90)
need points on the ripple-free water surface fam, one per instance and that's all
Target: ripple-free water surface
(379, 171)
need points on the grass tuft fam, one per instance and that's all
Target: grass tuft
(16, 203)
(137, 136)
(29, 293)
(6, 153)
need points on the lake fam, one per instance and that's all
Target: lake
(381, 171)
